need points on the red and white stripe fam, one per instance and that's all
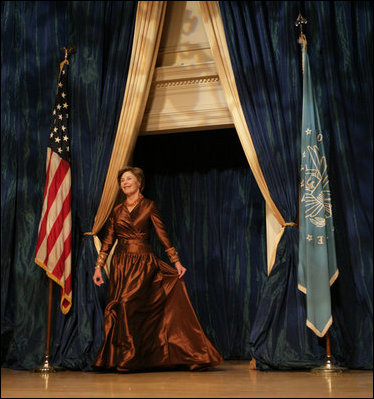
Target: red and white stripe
(53, 247)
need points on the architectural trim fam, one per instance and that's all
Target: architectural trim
(186, 120)
(186, 82)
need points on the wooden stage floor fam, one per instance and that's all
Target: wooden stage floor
(232, 379)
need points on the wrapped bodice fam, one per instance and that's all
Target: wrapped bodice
(132, 227)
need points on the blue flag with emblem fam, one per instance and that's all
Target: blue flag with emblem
(317, 267)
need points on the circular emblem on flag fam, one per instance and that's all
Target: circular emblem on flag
(317, 197)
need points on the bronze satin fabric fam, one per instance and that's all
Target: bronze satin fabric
(149, 321)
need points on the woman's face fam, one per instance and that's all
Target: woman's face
(129, 183)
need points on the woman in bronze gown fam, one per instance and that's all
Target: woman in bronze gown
(149, 321)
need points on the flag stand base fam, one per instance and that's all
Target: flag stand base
(328, 367)
(46, 368)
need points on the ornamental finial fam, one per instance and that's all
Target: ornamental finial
(300, 21)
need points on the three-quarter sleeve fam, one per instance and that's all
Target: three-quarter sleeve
(162, 234)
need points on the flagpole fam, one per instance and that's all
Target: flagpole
(328, 366)
(46, 367)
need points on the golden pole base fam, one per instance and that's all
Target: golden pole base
(46, 367)
(328, 367)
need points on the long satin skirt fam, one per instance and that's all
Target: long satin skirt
(149, 321)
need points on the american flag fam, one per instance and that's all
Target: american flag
(53, 247)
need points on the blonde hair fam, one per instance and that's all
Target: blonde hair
(137, 172)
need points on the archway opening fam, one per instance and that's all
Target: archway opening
(215, 214)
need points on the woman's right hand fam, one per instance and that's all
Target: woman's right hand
(97, 277)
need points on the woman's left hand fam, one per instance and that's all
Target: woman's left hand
(180, 269)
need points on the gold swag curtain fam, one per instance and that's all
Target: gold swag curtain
(147, 34)
(217, 40)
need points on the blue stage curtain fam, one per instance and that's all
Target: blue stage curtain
(266, 59)
(215, 214)
(340, 50)
(32, 34)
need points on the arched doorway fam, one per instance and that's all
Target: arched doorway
(215, 212)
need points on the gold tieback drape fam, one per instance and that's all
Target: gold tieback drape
(217, 40)
(289, 224)
(277, 240)
(147, 34)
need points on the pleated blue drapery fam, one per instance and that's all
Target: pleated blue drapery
(215, 213)
(32, 34)
(266, 60)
